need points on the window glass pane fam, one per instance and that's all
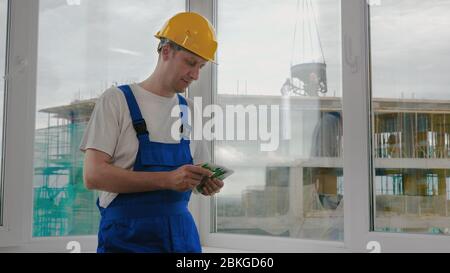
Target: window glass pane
(3, 41)
(84, 48)
(411, 124)
(286, 150)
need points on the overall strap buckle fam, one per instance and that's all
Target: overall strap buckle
(140, 126)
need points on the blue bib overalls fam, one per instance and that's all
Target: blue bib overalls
(156, 221)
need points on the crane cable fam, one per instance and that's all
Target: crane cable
(306, 5)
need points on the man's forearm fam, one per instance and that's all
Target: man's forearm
(107, 177)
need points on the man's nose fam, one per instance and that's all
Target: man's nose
(194, 74)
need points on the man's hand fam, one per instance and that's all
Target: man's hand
(212, 186)
(186, 177)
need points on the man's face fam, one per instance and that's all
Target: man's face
(182, 68)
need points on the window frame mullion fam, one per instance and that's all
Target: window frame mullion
(19, 121)
(356, 112)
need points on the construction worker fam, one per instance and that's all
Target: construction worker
(144, 174)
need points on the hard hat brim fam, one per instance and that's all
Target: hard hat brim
(190, 51)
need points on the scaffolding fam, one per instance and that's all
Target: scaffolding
(412, 135)
(405, 132)
(62, 205)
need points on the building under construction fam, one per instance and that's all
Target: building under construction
(411, 148)
(62, 205)
(411, 187)
(411, 143)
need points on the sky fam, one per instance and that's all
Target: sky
(85, 48)
(410, 49)
(261, 51)
(80, 47)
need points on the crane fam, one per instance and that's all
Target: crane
(308, 67)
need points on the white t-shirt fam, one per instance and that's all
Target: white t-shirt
(111, 131)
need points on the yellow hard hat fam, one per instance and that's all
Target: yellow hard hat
(191, 31)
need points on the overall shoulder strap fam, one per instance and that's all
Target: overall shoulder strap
(184, 109)
(184, 114)
(138, 122)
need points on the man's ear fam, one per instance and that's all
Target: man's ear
(165, 52)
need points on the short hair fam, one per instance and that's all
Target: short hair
(173, 45)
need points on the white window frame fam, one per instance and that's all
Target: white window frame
(357, 143)
(358, 171)
(16, 234)
(18, 140)
(21, 79)
(206, 88)
(22, 51)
